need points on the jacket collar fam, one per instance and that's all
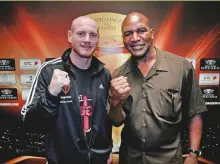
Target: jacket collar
(96, 64)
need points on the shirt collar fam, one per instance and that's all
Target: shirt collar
(160, 64)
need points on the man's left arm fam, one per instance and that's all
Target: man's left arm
(195, 133)
(195, 105)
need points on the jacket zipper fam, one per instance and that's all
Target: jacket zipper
(88, 154)
(80, 112)
(87, 144)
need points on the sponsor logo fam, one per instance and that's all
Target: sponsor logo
(30, 64)
(8, 94)
(210, 64)
(209, 79)
(192, 61)
(9, 104)
(27, 79)
(7, 64)
(212, 103)
(25, 93)
(66, 89)
(209, 93)
(4, 62)
(7, 79)
(66, 99)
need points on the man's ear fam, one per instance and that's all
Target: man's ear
(152, 33)
(69, 35)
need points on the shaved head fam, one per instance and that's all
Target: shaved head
(83, 36)
(137, 34)
(135, 17)
(83, 20)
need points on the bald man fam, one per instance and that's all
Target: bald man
(68, 101)
(154, 93)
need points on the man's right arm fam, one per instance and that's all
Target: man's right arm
(43, 100)
(116, 114)
(119, 91)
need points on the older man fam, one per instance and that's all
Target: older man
(153, 94)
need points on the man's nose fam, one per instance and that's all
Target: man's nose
(135, 37)
(87, 38)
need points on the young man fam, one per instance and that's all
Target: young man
(153, 94)
(68, 101)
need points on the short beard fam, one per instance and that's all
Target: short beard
(82, 56)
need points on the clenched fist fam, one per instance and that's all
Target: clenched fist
(119, 91)
(58, 81)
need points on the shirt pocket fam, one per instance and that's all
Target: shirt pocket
(165, 104)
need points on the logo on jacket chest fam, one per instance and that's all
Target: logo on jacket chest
(66, 89)
(65, 98)
(86, 112)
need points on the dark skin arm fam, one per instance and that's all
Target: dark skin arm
(195, 132)
(119, 90)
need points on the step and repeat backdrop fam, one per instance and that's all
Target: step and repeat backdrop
(32, 33)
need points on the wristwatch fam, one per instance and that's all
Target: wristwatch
(197, 152)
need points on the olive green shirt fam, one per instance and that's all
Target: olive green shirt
(156, 108)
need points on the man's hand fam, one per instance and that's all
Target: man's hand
(191, 159)
(119, 91)
(58, 81)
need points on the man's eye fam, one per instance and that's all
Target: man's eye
(81, 33)
(126, 34)
(141, 31)
(93, 35)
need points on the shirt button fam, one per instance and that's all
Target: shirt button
(143, 140)
(143, 95)
(144, 110)
(144, 125)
